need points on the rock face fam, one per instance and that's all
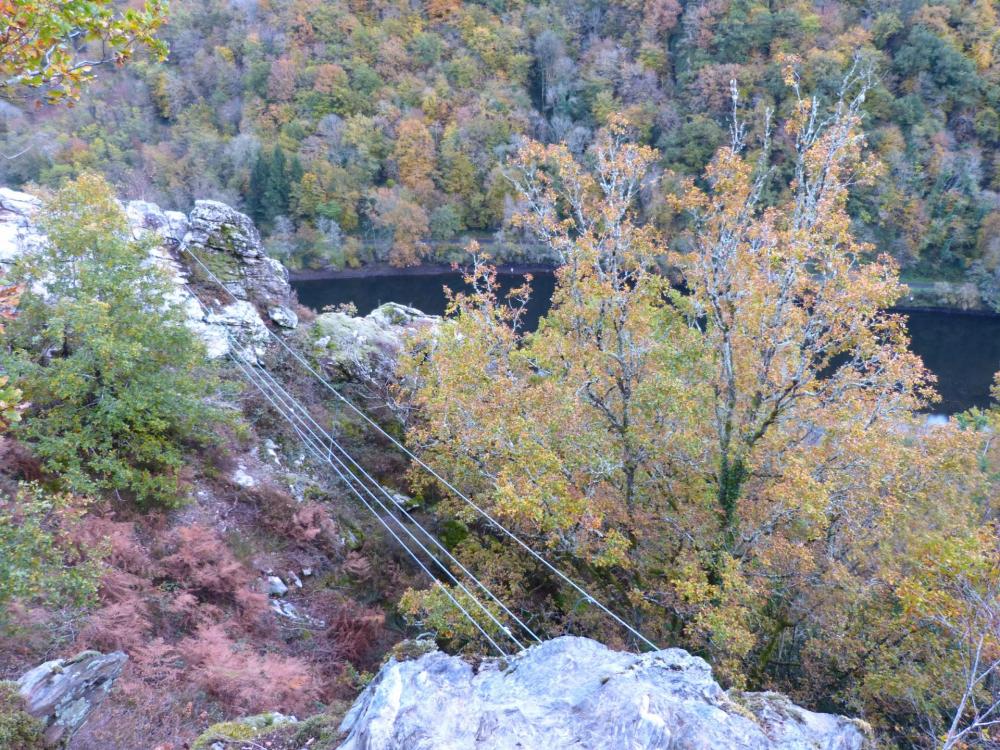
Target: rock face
(576, 693)
(64, 692)
(17, 229)
(366, 348)
(223, 238)
(221, 233)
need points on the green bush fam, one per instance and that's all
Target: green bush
(35, 563)
(18, 729)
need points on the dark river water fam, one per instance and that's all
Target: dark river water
(962, 349)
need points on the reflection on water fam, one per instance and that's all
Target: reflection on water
(963, 350)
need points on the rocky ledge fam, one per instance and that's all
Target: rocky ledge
(366, 349)
(225, 240)
(576, 693)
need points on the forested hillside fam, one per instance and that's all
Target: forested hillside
(360, 130)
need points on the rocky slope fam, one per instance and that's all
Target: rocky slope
(222, 238)
(566, 693)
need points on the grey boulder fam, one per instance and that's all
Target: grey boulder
(366, 348)
(64, 692)
(574, 693)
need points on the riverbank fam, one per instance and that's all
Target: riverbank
(956, 296)
(384, 270)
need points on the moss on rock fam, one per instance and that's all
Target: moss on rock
(249, 728)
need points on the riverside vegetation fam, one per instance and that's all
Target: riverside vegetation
(736, 463)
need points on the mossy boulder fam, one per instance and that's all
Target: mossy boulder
(321, 732)
(249, 728)
(366, 348)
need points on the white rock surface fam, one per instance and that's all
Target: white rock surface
(216, 229)
(215, 232)
(242, 478)
(283, 316)
(276, 587)
(575, 694)
(18, 234)
(366, 348)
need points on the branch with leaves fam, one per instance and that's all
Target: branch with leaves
(54, 46)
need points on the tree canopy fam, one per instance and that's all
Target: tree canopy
(426, 101)
(740, 467)
(56, 46)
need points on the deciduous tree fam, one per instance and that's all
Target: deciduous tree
(56, 46)
(415, 156)
(116, 382)
(740, 467)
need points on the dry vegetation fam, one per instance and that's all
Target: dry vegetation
(183, 595)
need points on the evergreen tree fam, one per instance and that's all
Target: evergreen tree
(278, 186)
(258, 184)
(271, 186)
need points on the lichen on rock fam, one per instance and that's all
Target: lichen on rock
(63, 693)
(361, 347)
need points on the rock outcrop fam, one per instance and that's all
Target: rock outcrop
(63, 693)
(18, 233)
(220, 232)
(365, 349)
(220, 236)
(576, 693)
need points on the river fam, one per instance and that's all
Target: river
(962, 349)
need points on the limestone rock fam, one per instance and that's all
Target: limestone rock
(574, 693)
(229, 244)
(225, 239)
(366, 348)
(64, 692)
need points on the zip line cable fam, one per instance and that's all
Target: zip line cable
(321, 435)
(458, 493)
(323, 455)
(375, 483)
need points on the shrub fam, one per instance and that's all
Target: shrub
(19, 730)
(204, 566)
(354, 630)
(244, 680)
(38, 563)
